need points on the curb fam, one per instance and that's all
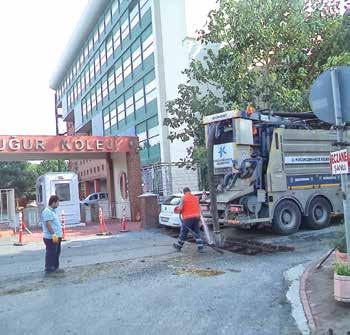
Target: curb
(303, 294)
(304, 298)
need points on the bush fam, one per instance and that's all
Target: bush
(340, 241)
(342, 269)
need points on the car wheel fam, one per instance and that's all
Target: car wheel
(319, 214)
(286, 218)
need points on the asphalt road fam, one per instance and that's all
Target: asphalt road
(136, 284)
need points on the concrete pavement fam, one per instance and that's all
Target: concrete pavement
(136, 284)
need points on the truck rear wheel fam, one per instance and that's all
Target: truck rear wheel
(286, 218)
(319, 214)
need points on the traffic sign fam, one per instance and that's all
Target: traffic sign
(321, 96)
(339, 161)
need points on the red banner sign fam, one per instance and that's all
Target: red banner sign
(64, 144)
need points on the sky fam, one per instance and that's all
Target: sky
(33, 36)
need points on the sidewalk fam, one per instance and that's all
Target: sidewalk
(322, 311)
(90, 229)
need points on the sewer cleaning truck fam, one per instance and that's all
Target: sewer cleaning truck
(271, 169)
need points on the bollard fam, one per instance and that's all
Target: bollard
(63, 221)
(123, 223)
(102, 224)
(20, 233)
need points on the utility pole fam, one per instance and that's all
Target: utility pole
(340, 126)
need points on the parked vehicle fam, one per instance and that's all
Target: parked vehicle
(66, 186)
(94, 198)
(167, 215)
(272, 169)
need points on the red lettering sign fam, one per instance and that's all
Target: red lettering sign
(64, 145)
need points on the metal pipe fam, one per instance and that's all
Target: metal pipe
(212, 188)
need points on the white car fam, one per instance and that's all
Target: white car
(167, 215)
(94, 198)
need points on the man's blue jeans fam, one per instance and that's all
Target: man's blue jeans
(53, 251)
(190, 225)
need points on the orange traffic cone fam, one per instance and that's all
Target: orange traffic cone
(102, 224)
(63, 221)
(20, 233)
(123, 223)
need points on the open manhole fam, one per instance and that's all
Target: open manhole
(251, 248)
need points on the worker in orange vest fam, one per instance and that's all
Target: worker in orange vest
(190, 212)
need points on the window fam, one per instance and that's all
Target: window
(40, 193)
(127, 64)
(113, 114)
(121, 110)
(147, 47)
(144, 6)
(82, 83)
(118, 74)
(96, 37)
(116, 38)
(151, 91)
(141, 133)
(153, 134)
(62, 190)
(125, 28)
(111, 81)
(98, 93)
(91, 45)
(139, 99)
(136, 58)
(106, 121)
(109, 47)
(84, 108)
(134, 17)
(103, 54)
(87, 77)
(93, 99)
(104, 87)
(92, 71)
(101, 28)
(129, 106)
(108, 17)
(88, 106)
(115, 7)
(82, 59)
(97, 63)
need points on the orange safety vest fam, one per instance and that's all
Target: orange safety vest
(190, 207)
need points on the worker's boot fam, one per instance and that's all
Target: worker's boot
(177, 246)
(200, 249)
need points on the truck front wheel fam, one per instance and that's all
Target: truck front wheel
(319, 214)
(286, 218)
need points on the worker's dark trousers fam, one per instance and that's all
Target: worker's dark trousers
(53, 251)
(193, 225)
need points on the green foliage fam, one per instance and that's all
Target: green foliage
(342, 269)
(22, 176)
(340, 240)
(267, 53)
(19, 176)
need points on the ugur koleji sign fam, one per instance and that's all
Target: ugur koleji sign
(64, 144)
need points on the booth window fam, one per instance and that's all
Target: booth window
(63, 191)
(124, 186)
(40, 194)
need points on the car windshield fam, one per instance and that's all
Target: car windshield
(173, 200)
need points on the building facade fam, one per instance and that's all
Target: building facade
(123, 62)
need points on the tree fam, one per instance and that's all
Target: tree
(50, 166)
(22, 176)
(266, 53)
(19, 176)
